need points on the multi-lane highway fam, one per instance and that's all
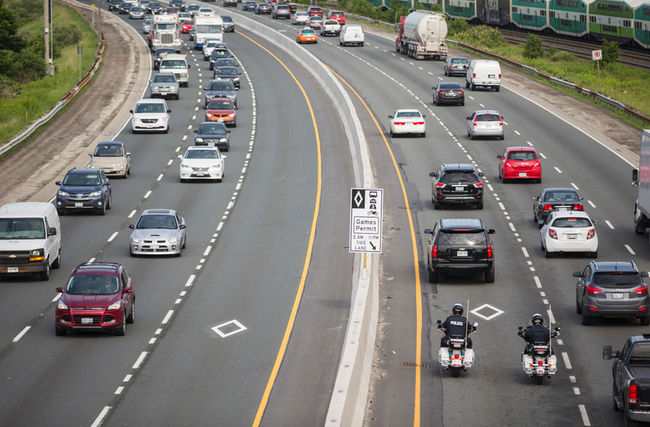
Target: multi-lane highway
(274, 234)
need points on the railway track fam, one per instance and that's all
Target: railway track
(579, 48)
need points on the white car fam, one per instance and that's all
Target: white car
(204, 11)
(407, 121)
(208, 47)
(200, 162)
(300, 18)
(150, 114)
(351, 35)
(569, 231)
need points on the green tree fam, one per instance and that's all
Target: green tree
(533, 47)
(455, 26)
(9, 38)
(611, 52)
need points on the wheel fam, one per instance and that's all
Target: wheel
(57, 261)
(462, 104)
(446, 74)
(436, 205)
(59, 331)
(455, 372)
(472, 87)
(579, 307)
(466, 84)
(586, 320)
(479, 204)
(121, 330)
(489, 276)
(184, 243)
(131, 317)
(645, 321)
(361, 44)
(539, 379)
(178, 97)
(548, 254)
(131, 253)
(593, 254)
(434, 101)
(617, 408)
(45, 274)
(423, 134)
(434, 276)
(102, 210)
(497, 88)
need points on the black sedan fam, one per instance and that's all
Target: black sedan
(558, 199)
(230, 73)
(448, 92)
(211, 133)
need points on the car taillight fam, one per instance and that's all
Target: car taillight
(478, 185)
(461, 92)
(475, 122)
(434, 251)
(440, 185)
(577, 206)
(591, 233)
(418, 123)
(499, 75)
(592, 290)
(552, 234)
(547, 207)
(642, 290)
(500, 122)
(441, 92)
(400, 123)
(489, 251)
(631, 395)
(474, 75)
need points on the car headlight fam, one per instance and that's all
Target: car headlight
(115, 306)
(217, 166)
(198, 140)
(232, 116)
(184, 166)
(61, 305)
(95, 194)
(208, 115)
(119, 164)
(223, 140)
(37, 252)
(63, 194)
(173, 240)
(163, 119)
(136, 239)
(236, 79)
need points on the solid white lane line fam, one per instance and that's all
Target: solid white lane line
(131, 214)
(551, 318)
(159, 177)
(190, 281)
(140, 359)
(21, 334)
(119, 390)
(574, 186)
(557, 169)
(146, 196)
(100, 418)
(591, 204)
(583, 414)
(167, 317)
(629, 249)
(567, 362)
(127, 378)
(609, 224)
(113, 236)
(56, 298)
(523, 249)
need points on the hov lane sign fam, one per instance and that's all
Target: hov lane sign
(366, 213)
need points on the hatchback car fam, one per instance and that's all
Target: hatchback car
(520, 163)
(315, 11)
(164, 85)
(448, 92)
(136, 12)
(460, 246)
(306, 35)
(281, 11)
(228, 24)
(219, 52)
(300, 18)
(612, 289)
(211, 133)
(84, 189)
(228, 73)
(456, 65)
(150, 114)
(97, 297)
(555, 199)
(221, 110)
(248, 6)
(202, 163)
(315, 22)
(220, 89)
(263, 8)
(158, 232)
(457, 183)
(112, 158)
(569, 232)
(485, 123)
(186, 26)
(407, 121)
(337, 15)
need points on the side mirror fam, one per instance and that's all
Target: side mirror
(127, 290)
(59, 289)
(57, 182)
(557, 329)
(607, 352)
(91, 155)
(237, 88)
(131, 111)
(520, 328)
(107, 181)
(183, 226)
(468, 118)
(205, 88)
(128, 154)
(424, 116)
(644, 274)
(499, 156)
(390, 117)
(635, 177)
(169, 111)
(433, 174)
(189, 66)
(51, 231)
(577, 274)
(481, 174)
(196, 131)
(428, 231)
(132, 227)
(491, 231)
(540, 222)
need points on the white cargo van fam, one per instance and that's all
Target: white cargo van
(483, 72)
(351, 34)
(178, 65)
(30, 239)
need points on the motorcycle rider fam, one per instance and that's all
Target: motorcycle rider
(537, 333)
(456, 325)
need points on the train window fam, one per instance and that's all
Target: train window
(542, 13)
(592, 19)
(583, 18)
(514, 9)
(551, 14)
(627, 23)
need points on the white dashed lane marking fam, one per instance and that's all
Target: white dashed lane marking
(557, 169)
(574, 186)
(139, 360)
(167, 317)
(21, 333)
(609, 224)
(100, 418)
(113, 236)
(630, 250)
(591, 204)
(567, 362)
(583, 414)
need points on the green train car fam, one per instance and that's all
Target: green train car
(611, 19)
(568, 17)
(530, 14)
(465, 9)
(642, 23)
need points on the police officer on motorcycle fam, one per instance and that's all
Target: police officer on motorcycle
(537, 333)
(456, 325)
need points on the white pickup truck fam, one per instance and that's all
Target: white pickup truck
(330, 27)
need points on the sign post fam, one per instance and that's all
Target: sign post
(366, 215)
(597, 55)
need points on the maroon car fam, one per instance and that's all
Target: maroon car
(98, 296)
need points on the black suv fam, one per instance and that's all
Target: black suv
(83, 189)
(457, 183)
(461, 246)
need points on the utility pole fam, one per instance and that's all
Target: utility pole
(46, 39)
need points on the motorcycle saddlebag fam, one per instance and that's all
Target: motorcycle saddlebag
(443, 356)
(468, 360)
(552, 364)
(527, 363)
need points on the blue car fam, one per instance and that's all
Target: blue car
(211, 133)
(220, 89)
(84, 189)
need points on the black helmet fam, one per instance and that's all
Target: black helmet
(457, 309)
(537, 319)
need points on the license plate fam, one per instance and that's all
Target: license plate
(571, 236)
(199, 174)
(86, 320)
(522, 173)
(12, 269)
(78, 204)
(459, 188)
(490, 76)
(563, 208)
(461, 253)
(618, 296)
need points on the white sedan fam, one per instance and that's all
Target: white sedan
(202, 163)
(300, 18)
(569, 231)
(407, 121)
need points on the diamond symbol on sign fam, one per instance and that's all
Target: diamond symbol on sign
(229, 328)
(493, 310)
(358, 199)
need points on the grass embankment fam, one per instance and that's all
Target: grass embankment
(34, 98)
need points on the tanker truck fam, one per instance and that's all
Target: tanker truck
(421, 35)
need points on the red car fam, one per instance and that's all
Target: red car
(98, 296)
(520, 163)
(337, 15)
(188, 24)
(221, 110)
(315, 11)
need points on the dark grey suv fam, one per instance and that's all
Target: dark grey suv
(460, 246)
(457, 183)
(612, 289)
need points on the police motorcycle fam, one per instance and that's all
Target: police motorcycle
(456, 356)
(538, 361)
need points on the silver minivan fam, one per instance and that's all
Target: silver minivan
(30, 239)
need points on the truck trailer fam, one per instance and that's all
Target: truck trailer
(421, 35)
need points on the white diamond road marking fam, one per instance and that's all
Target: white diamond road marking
(217, 328)
(496, 312)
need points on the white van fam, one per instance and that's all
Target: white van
(178, 65)
(351, 34)
(30, 239)
(483, 72)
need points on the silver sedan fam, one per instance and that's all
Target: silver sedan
(158, 232)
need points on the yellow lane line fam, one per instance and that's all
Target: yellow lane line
(312, 233)
(418, 290)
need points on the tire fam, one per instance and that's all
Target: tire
(45, 274)
(455, 372)
(462, 104)
(59, 331)
(434, 276)
(497, 88)
(502, 137)
(423, 135)
(587, 320)
(479, 205)
(102, 210)
(593, 254)
(489, 276)
(57, 262)
(436, 205)
(548, 254)
(61, 212)
(466, 84)
(617, 408)
(579, 307)
(361, 44)
(645, 321)
(109, 202)
(121, 330)
(472, 87)
(539, 379)
(471, 137)
(131, 317)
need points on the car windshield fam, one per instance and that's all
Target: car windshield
(336, 14)
(150, 108)
(211, 43)
(21, 228)
(408, 114)
(449, 86)
(212, 129)
(331, 22)
(202, 154)
(162, 26)
(226, 19)
(571, 223)
(167, 222)
(192, 8)
(136, 9)
(640, 354)
(164, 78)
(307, 32)
(459, 61)
(487, 118)
(108, 150)
(220, 53)
(464, 238)
(615, 279)
(561, 196)
(82, 179)
(221, 86)
(522, 155)
(93, 284)
(220, 105)
(173, 64)
(225, 62)
(302, 14)
(315, 18)
(226, 71)
(188, 22)
(458, 176)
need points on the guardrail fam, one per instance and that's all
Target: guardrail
(65, 100)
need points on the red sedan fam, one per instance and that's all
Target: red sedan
(520, 163)
(188, 24)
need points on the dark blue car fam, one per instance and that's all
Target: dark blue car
(211, 133)
(84, 189)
